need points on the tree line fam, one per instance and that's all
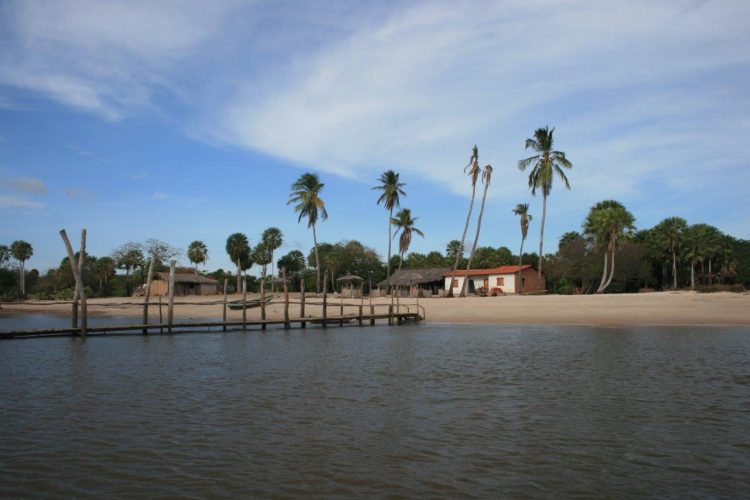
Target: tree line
(608, 254)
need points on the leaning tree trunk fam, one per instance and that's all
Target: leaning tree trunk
(317, 260)
(476, 239)
(519, 287)
(604, 273)
(463, 239)
(390, 237)
(541, 239)
(612, 270)
(674, 268)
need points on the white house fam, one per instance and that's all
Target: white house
(503, 277)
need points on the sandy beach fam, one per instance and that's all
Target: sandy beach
(659, 308)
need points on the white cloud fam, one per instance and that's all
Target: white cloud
(28, 185)
(160, 195)
(10, 201)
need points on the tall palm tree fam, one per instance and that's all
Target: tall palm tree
(390, 197)
(21, 251)
(273, 238)
(238, 248)
(607, 223)
(453, 250)
(486, 178)
(405, 226)
(307, 202)
(522, 210)
(473, 170)
(197, 253)
(544, 165)
(701, 243)
(671, 231)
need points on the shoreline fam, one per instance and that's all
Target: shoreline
(645, 309)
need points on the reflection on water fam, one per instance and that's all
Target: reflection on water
(438, 410)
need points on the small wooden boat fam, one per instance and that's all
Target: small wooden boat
(237, 304)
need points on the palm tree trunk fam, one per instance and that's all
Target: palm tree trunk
(612, 270)
(317, 261)
(710, 274)
(239, 271)
(398, 288)
(674, 268)
(463, 239)
(476, 238)
(692, 274)
(390, 238)
(23, 280)
(519, 287)
(273, 285)
(541, 238)
(604, 273)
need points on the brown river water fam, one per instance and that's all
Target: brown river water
(439, 411)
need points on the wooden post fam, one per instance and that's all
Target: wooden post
(302, 302)
(244, 301)
(147, 294)
(360, 315)
(161, 320)
(224, 312)
(286, 299)
(170, 307)
(325, 300)
(263, 301)
(77, 275)
(74, 318)
(372, 314)
(390, 314)
(341, 309)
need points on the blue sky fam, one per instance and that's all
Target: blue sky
(190, 120)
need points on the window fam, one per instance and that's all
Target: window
(500, 282)
(523, 282)
(455, 284)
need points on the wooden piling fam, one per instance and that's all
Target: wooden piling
(390, 314)
(77, 275)
(224, 311)
(244, 300)
(263, 300)
(341, 309)
(372, 314)
(325, 300)
(360, 315)
(302, 302)
(161, 320)
(74, 315)
(170, 307)
(147, 293)
(286, 299)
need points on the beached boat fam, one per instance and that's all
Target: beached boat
(237, 304)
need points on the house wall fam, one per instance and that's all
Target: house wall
(530, 277)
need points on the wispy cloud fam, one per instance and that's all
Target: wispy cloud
(160, 195)
(80, 193)
(11, 201)
(29, 185)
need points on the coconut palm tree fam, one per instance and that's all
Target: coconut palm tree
(522, 210)
(197, 253)
(473, 171)
(607, 223)
(486, 178)
(670, 232)
(544, 165)
(273, 239)
(104, 268)
(21, 251)
(453, 250)
(404, 224)
(238, 248)
(391, 192)
(701, 243)
(307, 202)
(263, 255)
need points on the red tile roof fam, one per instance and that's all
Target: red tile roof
(496, 270)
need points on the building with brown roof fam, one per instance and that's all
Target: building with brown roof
(503, 277)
